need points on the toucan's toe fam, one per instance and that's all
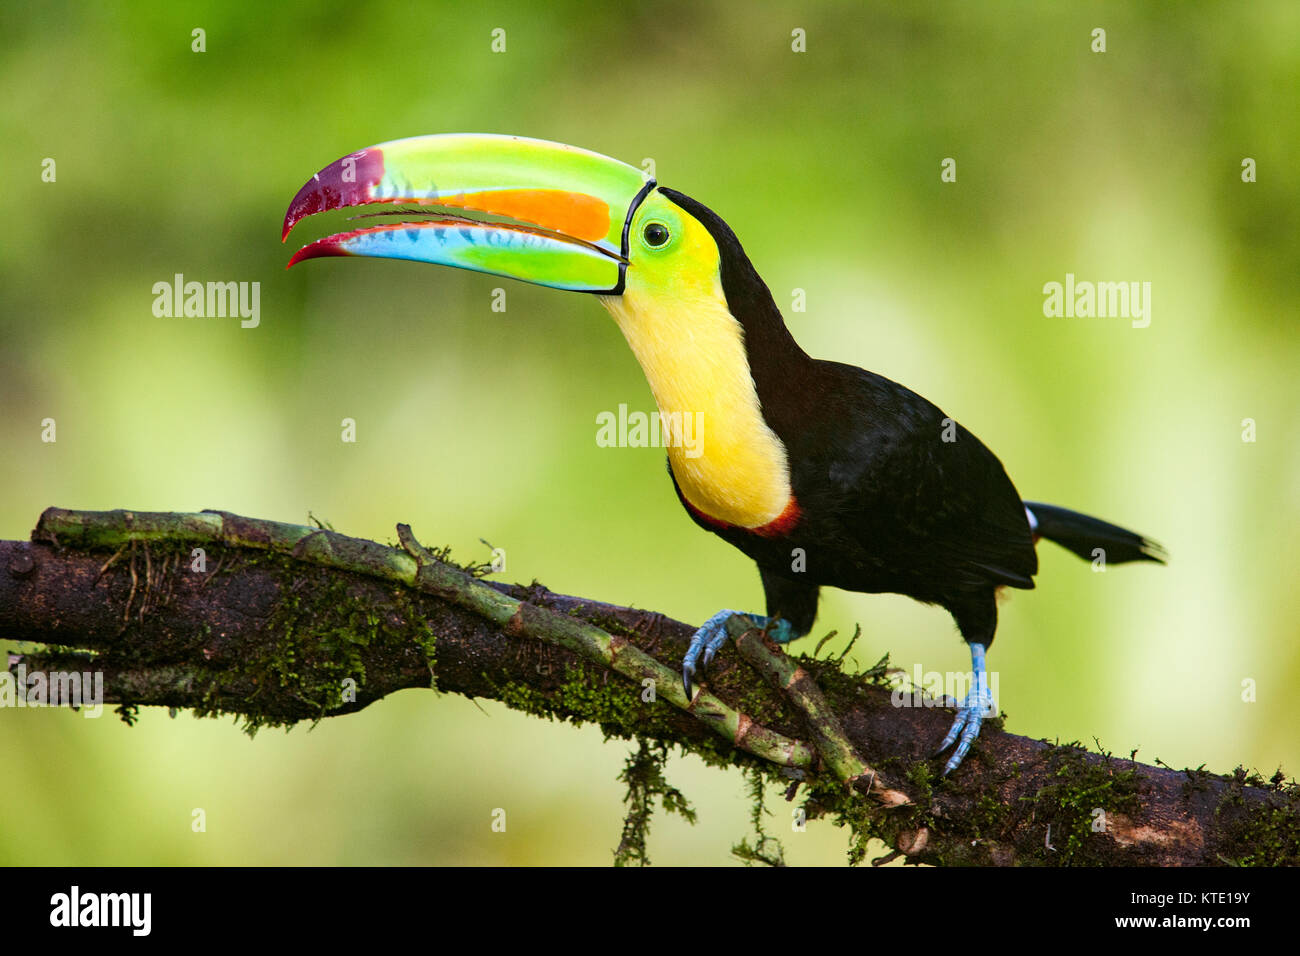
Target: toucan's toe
(974, 709)
(705, 643)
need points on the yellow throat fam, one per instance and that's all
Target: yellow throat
(692, 351)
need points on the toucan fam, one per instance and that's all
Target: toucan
(825, 474)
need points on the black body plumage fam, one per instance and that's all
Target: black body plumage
(893, 495)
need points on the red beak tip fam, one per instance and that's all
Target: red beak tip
(349, 181)
(321, 248)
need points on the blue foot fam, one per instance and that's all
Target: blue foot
(978, 705)
(713, 634)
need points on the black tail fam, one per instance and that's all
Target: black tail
(1082, 535)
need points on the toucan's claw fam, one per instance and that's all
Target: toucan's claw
(712, 634)
(970, 715)
(969, 719)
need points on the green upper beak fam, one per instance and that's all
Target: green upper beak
(560, 214)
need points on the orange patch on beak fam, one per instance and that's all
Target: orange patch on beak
(573, 214)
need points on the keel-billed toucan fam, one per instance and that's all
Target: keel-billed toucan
(823, 473)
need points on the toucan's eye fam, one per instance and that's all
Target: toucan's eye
(655, 233)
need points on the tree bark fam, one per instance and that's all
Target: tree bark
(280, 623)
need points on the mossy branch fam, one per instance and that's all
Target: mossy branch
(277, 623)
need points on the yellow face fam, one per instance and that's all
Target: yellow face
(674, 315)
(671, 254)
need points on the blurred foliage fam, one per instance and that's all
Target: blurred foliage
(1116, 166)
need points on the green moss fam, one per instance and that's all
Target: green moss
(758, 703)
(1199, 780)
(921, 776)
(428, 643)
(988, 818)
(766, 848)
(607, 622)
(590, 694)
(832, 678)
(1067, 805)
(644, 775)
(864, 821)
(1259, 832)
(1079, 784)
(321, 636)
(582, 697)
(828, 797)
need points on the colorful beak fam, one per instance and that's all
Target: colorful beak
(559, 215)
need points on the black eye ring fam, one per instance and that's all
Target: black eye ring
(655, 234)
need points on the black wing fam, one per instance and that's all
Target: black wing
(917, 492)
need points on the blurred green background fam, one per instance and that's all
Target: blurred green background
(1119, 166)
